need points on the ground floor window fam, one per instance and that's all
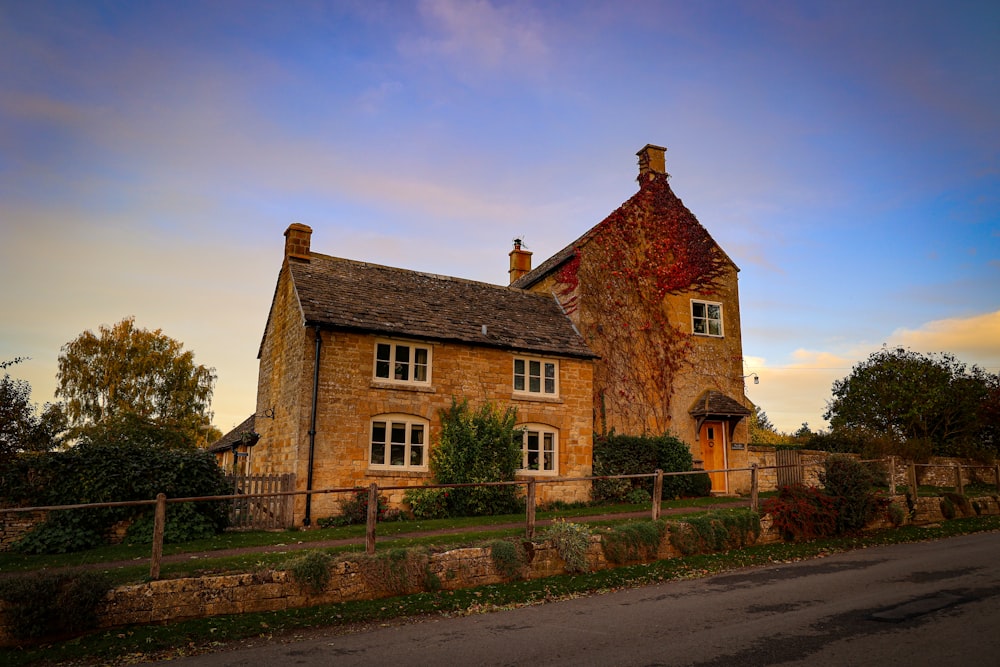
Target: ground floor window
(398, 442)
(539, 449)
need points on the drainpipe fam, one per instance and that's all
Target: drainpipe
(307, 520)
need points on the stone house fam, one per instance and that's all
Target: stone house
(357, 361)
(657, 300)
(634, 326)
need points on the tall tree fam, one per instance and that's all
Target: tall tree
(22, 427)
(124, 372)
(915, 397)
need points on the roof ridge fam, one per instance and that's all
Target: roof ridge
(427, 274)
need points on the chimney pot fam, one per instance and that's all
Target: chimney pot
(652, 161)
(520, 261)
(297, 241)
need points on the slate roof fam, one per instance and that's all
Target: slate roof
(345, 294)
(234, 436)
(716, 404)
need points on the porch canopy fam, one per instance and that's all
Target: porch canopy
(713, 405)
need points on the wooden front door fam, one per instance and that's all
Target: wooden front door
(712, 439)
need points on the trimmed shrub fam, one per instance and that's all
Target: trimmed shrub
(95, 472)
(571, 541)
(508, 558)
(477, 446)
(630, 455)
(312, 570)
(802, 513)
(715, 531)
(633, 541)
(851, 484)
(427, 503)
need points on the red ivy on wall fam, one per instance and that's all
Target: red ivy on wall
(619, 278)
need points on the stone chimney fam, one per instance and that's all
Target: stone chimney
(651, 161)
(520, 261)
(297, 238)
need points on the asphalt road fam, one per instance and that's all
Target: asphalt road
(934, 603)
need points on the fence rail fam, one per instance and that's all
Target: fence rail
(276, 504)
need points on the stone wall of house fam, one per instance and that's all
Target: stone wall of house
(349, 398)
(283, 385)
(709, 364)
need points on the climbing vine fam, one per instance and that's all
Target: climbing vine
(648, 249)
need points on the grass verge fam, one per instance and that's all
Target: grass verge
(156, 642)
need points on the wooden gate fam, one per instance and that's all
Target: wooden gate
(255, 510)
(789, 462)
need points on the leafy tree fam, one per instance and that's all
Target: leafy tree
(763, 432)
(921, 398)
(481, 445)
(22, 427)
(127, 373)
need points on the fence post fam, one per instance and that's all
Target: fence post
(372, 518)
(529, 510)
(892, 475)
(959, 487)
(657, 494)
(996, 471)
(754, 488)
(159, 521)
(912, 479)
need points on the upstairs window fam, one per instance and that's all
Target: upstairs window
(398, 442)
(539, 450)
(536, 376)
(706, 318)
(404, 363)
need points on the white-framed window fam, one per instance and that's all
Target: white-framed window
(706, 318)
(398, 442)
(536, 376)
(539, 449)
(405, 363)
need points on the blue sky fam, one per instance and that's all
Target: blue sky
(846, 155)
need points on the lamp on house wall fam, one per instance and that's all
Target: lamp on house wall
(756, 378)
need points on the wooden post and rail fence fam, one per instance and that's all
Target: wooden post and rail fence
(161, 500)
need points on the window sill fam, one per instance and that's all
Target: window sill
(425, 388)
(531, 474)
(537, 398)
(382, 472)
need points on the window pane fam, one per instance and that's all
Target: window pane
(698, 309)
(550, 378)
(416, 455)
(699, 326)
(549, 453)
(416, 445)
(714, 312)
(535, 377)
(378, 443)
(397, 455)
(397, 447)
(420, 364)
(382, 353)
(714, 328)
(402, 362)
(519, 375)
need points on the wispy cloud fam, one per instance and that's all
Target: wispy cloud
(479, 36)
